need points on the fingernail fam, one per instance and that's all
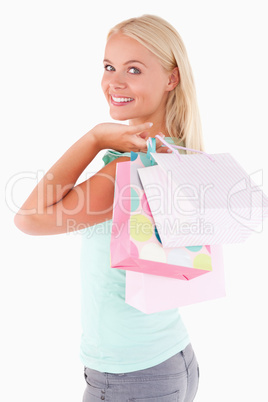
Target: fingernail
(151, 124)
(169, 151)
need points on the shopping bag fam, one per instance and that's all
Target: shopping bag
(135, 244)
(151, 294)
(202, 199)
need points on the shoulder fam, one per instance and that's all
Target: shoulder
(112, 155)
(109, 169)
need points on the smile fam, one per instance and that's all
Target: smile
(121, 100)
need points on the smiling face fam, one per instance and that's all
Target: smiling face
(135, 84)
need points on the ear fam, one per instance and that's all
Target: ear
(174, 79)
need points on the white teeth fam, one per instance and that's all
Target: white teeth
(120, 100)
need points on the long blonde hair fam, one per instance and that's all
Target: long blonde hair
(182, 113)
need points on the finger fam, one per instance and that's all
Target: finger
(139, 128)
(144, 135)
(142, 145)
(162, 150)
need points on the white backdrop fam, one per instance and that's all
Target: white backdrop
(50, 96)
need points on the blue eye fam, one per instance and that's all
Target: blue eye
(108, 67)
(134, 70)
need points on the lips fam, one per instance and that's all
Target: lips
(120, 101)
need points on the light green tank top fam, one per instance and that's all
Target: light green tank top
(116, 337)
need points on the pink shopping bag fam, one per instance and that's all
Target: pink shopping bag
(151, 294)
(135, 244)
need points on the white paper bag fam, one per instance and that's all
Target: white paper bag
(202, 199)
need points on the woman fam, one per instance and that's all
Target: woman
(147, 80)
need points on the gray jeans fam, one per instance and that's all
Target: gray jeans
(174, 380)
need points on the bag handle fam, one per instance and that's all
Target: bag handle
(151, 147)
(170, 146)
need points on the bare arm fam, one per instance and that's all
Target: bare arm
(56, 205)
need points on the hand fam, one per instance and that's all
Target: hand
(159, 146)
(121, 137)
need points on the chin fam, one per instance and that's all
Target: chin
(119, 116)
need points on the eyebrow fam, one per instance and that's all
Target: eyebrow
(127, 62)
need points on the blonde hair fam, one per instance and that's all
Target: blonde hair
(161, 38)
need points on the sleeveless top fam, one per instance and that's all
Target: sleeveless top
(116, 337)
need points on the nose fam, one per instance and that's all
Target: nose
(117, 81)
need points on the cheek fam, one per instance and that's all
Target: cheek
(152, 94)
(104, 85)
(158, 90)
(145, 91)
